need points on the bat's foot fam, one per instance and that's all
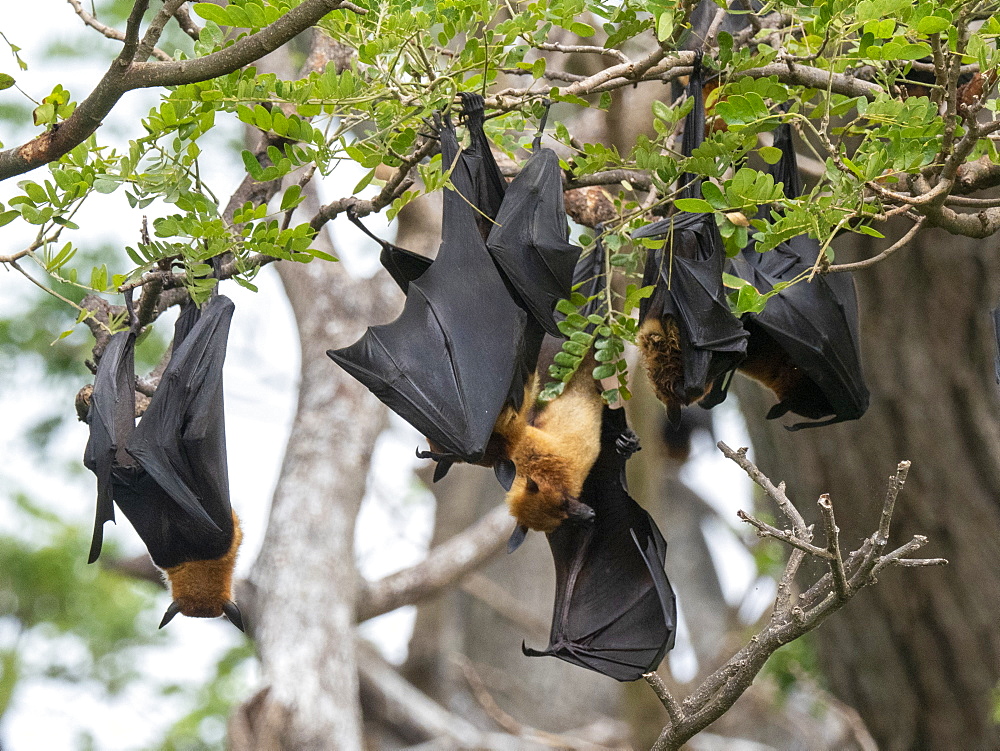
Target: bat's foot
(627, 443)
(444, 462)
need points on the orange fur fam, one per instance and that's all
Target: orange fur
(660, 343)
(769, 364)
(554, 453)
(200, 588)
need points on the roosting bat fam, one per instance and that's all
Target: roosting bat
(615, 611)
(169, 474)
(487, 323)
(447, 364)
(688, 335)
(554, 446)
(804, 344)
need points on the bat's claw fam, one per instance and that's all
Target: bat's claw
(627, 443)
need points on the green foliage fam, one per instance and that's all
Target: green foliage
(50, 590)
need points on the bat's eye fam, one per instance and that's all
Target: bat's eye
(532, 486)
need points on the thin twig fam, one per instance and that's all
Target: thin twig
(868, 262)
(833, 548)
(774, 492)
(109, 31)
(669, 702)
(785, 535)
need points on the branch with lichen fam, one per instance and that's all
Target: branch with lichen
(792, 616)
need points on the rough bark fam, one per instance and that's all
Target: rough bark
(919, 655)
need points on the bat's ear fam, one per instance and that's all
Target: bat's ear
(233, 614)
(578, 512)
(516, 538)
(505, 471)
(173, 610)
(443, 465)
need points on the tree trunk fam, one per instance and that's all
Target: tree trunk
(918, 655)
(305, 578)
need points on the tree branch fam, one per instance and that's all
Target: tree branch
(125, 75)
(719, 691)
(444, 565)
(108, 31)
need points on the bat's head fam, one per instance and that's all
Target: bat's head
(542, 502)
(204, 589)
(659, 341)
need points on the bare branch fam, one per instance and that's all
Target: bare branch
(774, 492)
(444, 565)
(785, 535)
(805, 75)
(833, 590)
(833, 548)
(670, 704)
(868, 262)
(108, 31)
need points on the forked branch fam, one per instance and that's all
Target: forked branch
(793, 615)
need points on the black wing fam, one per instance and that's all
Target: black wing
(180, 444)
(530, 241)
(615, 611)
(488, 183)
(687, 274)
(403, 265)
(111, 419)
(447, 364)
(813, 325)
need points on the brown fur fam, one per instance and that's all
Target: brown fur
(659, 341)
(553, 452)
(769, 364)
(200, 588)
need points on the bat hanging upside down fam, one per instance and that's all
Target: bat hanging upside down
(169, 474)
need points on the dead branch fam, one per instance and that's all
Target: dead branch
(792, 617)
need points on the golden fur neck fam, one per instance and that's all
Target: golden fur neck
(554, 454)
(201, 588)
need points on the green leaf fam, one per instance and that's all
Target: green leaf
(212, 12)
(694, 205)
(6, 81)
(932, 25)
(292, 197)
(770, 154)
(664, 26)
(581, 29)
(864, 229)
(912, 51)
(7, 217)
(604, 371)
(251, 164)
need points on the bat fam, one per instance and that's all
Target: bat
(488, 185)
(403, 265)
(169, 474)
(448, 363)
(615, 611)
(804, 344)
(530, 242)
(553, 446)
(687, 335)
(496, 314)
